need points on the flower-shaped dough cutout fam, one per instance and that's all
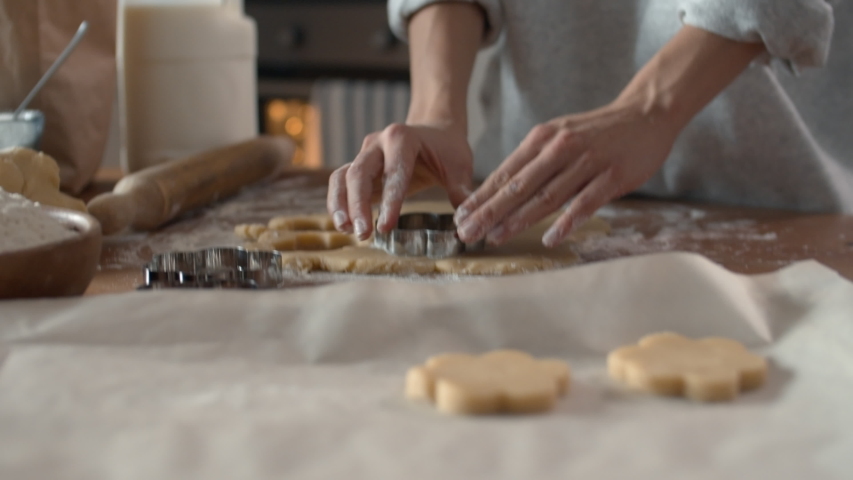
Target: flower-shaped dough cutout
(502, 381)
(284, 240)
(709, 369)
(306, 232)
(299, 223)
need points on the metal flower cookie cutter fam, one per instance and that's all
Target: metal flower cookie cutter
(424, 235)
(219, 267)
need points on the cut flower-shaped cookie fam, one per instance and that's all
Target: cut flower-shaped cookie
(709, 369)
(307, 232)
(500, 381)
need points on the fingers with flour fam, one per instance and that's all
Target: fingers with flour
(546, 199)
(392, 164)
(400, 155)
(550, 178)
(336, 200)
(528, 150)
(360, 177)
(598, 192)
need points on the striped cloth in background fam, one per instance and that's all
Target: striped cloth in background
(350, 109)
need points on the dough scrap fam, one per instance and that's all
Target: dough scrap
(250, 231)
(502, 381)
(711, 369)
(35, 176)
(525, 253)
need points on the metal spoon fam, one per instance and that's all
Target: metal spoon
(81, 31)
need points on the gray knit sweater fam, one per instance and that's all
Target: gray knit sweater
(780, 136)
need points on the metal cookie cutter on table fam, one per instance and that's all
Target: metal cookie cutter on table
(219, 267)
(424, 235)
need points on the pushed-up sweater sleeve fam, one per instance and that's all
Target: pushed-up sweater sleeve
(797, 32)
(400, 11)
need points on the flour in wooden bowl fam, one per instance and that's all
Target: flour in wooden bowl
(25, 224)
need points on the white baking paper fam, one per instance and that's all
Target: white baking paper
(306, 383)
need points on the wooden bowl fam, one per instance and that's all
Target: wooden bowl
(58, 269)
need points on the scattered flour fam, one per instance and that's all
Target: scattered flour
(635, 231)
(682, 228)
(213, 225)
(23, 224)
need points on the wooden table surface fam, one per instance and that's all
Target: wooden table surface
(744, 240)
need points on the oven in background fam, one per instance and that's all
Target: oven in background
(329, 72)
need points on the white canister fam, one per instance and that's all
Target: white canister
(187, 78)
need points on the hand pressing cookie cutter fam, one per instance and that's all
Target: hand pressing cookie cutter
(424, 235)
(218, 267)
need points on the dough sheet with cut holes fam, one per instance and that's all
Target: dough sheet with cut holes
(309, 244)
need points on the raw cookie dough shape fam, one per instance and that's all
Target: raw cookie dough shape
(502, 381)
(35, 176)
(250, 231)
(524, 253)
(304, 223)
(284, 240)
(711, 369)
(314, 223)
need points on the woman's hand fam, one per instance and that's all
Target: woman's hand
(432, 147)
(594, 157)
(589, 158)
(399, 160)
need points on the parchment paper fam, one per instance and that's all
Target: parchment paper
(306, 383)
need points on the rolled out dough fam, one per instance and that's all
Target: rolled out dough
(524, 253)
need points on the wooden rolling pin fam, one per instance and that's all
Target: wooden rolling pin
(149, 198)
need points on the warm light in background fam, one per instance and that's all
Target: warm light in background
(294, 126)
(298, 120)
(277, 111)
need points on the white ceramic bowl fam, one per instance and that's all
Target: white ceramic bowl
(25, 131)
